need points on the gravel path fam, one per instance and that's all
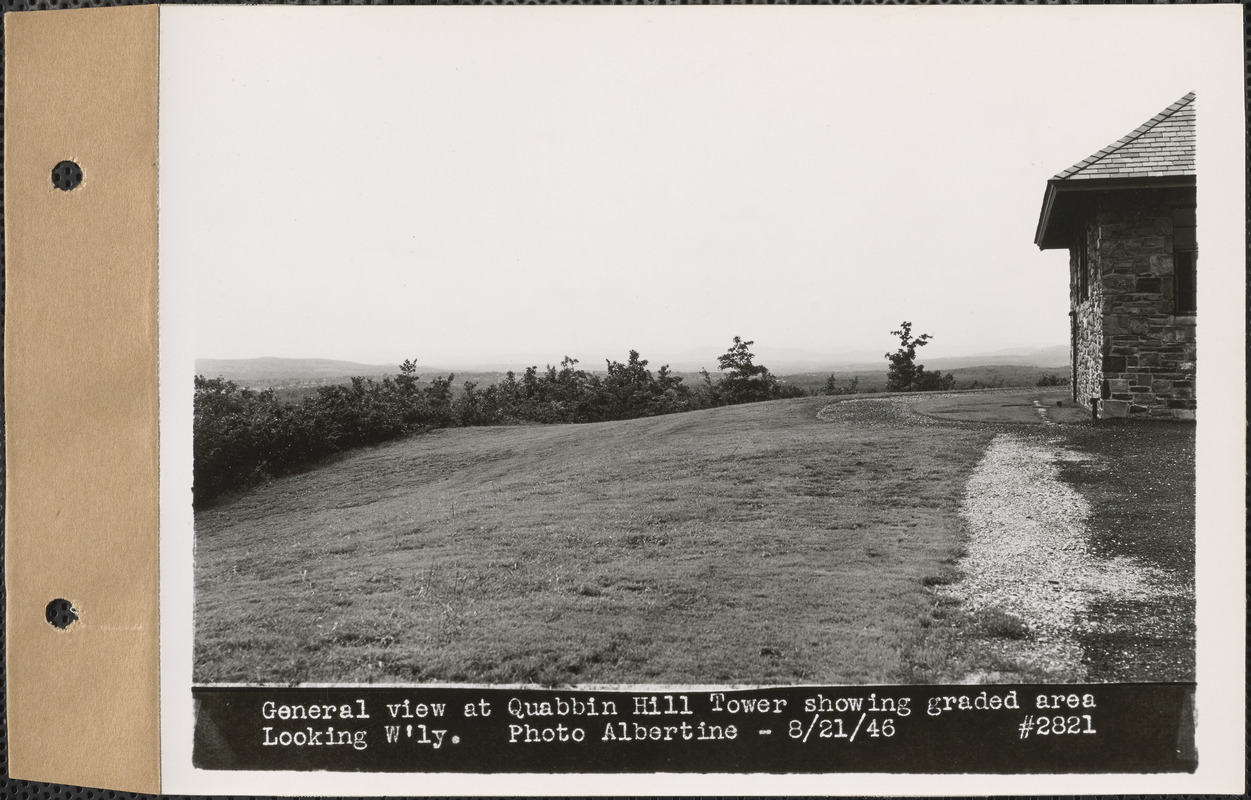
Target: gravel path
(1028, 556)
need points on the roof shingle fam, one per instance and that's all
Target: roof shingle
(1159, 154)
(1162, 146)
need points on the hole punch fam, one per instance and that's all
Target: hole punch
(67, 175)
(60, 613)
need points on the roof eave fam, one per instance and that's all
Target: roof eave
(1044, 216)
(1062, 192)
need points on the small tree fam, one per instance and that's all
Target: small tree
(739, 360)
(903, 362)
(905, 374)
(744, 381)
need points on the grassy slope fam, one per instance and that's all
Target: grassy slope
(745, 544)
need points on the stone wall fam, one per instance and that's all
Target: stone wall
(1088, 315)
(1134, 353)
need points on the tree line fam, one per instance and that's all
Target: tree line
(243, 436)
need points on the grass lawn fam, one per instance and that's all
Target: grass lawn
(745, 544)
(742, 545)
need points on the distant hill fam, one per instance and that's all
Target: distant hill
(296, 378)
(269, 368)
(1054, 356)
(285, 372)
(789, 361)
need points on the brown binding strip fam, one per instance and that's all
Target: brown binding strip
(81, 396)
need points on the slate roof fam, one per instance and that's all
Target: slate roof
(1159, 154)
(1162, 146)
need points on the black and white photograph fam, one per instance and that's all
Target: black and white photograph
(566, 351)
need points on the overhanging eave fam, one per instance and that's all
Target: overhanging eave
(1064, 199)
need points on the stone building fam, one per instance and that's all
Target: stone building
(1127, 217)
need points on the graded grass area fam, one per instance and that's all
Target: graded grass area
(745, 544)
(816, 540)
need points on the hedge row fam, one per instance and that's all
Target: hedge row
(243, 436)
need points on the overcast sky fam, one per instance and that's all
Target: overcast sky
(498, 184)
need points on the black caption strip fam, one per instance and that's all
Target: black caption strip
(906, 729)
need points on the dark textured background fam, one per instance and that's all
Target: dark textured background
(30, 790)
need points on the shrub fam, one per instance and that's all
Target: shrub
(745, 381)
(1053, 380)
(243, 436)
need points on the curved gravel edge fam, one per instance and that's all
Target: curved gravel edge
(881, 410)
